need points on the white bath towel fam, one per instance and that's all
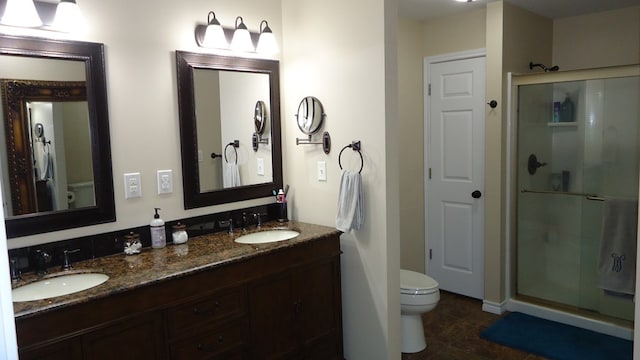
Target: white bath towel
(617, 259)
(350, 202)
(47, 166)
(231, 176)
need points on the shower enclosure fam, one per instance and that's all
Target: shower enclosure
(577, 143)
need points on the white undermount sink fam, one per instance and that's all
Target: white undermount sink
(267, 236)
(57, 286)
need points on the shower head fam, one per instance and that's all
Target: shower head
(546, 69)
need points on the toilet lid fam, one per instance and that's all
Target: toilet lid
(412, 282)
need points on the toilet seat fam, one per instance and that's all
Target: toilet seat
(415, 283)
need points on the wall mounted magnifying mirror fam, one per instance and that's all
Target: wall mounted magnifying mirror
(260, 118)
(56, 158)
(310, 117)
(217, 96)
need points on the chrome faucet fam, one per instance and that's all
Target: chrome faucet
(245, 221)
(15, 272)
(66, 263)
(42, 261)
(230, 226)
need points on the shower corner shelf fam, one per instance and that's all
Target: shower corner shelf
(562, 124)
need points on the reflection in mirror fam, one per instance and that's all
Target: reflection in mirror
(310, 115)
(224, 102)
(57, 174)
(56, 158)
(260, 116)
(217, 97)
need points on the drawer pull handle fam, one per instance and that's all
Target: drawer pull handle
(202, 347)
(199, 311)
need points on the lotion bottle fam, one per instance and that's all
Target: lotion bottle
(158, 234)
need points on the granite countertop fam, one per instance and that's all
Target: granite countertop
(127, 272)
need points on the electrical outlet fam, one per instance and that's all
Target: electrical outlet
(322, 170)
(165, 182)
(132, 186)
(260, 166)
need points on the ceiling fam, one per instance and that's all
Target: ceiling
(425, 9)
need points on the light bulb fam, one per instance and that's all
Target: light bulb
(21, 13)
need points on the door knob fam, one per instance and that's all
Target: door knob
(476, 194)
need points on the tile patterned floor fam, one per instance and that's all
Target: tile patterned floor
(453, 330)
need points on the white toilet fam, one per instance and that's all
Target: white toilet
(418, 294)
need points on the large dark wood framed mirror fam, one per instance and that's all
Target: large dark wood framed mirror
(217, 97)
(56, 157)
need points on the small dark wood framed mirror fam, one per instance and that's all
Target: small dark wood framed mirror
(32, 78)
(217, 97)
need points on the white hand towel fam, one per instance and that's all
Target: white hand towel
(617, 261)
(350, 202)
(47, 166)
(231, 176)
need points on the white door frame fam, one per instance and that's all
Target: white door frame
(428, 61)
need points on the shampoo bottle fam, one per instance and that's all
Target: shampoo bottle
(158, 234)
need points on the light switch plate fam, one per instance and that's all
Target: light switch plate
(132, 186)
(165, 182)
(260, 166)
(322, 170)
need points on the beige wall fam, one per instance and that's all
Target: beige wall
(355, 77)
(349, 69)
(416, 40)
(454, 33)
(411, 151)
(142, 96)
(604, 39)
(513, 46)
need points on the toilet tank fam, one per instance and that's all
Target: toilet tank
(81, 194)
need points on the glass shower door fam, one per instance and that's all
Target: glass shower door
(577, 144)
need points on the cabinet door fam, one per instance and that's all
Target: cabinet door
(61, 350)
(271, 311)
(320, 315)
(136, 338)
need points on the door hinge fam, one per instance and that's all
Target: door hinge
(429, 89)
(429, 173)
(430, 254)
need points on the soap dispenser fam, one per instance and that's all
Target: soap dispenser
(158, 234)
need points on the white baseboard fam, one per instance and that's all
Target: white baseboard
(494, 308)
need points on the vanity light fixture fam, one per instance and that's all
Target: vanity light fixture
(68, 17)
(21, 13)
(266, 42)
(214, 34)
(241, 37)
(465, 1)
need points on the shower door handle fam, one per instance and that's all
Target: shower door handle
(476, 194)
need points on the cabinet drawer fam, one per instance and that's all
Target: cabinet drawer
(208, 309)
(211, 343)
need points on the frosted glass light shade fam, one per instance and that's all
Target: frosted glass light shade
(214, 37)
(241, 38)
(68, 17)
(214, 34)
(267, 41)
(21, 13)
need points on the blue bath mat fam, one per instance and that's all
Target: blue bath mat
(556, 341)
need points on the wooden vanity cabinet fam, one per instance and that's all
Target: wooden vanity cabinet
(282, 305)
(296, 314)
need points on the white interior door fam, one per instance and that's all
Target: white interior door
(455, 158)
